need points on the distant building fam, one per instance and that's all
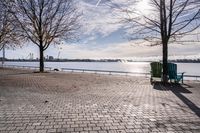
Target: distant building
(51, 58)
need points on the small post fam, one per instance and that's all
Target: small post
(3, 59)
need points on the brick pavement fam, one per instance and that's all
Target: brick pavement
(73, 102)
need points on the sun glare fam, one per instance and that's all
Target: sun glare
(144, 7)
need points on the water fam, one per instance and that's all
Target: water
(138, 67)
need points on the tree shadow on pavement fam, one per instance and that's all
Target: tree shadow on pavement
(178, 89)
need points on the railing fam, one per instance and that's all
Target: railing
(104, 71)
(26, 67)
(196, 77)
(120, 72)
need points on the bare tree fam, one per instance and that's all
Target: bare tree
(46, 22)
(166, 21)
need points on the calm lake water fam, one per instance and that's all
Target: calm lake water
(138, 67)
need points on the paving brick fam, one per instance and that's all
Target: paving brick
(56, 102)
(42, 131)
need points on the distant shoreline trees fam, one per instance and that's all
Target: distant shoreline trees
(45, 22)
(100, 60)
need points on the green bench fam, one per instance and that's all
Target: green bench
(156, 72)
(173, 75)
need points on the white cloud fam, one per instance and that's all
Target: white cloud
(125, 50)
(98, 19)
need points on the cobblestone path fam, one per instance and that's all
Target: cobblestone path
(78, 102)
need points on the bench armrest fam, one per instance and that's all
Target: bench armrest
(181, 73)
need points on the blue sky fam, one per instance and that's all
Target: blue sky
(101, 38)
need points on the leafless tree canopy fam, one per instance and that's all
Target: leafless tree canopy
(46, 21)
(8, 28)
(169, 19)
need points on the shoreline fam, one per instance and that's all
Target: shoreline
(92, 61)
(99, 72)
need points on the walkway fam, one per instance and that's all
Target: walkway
(78, 102)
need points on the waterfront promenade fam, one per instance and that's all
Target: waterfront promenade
(80, 102)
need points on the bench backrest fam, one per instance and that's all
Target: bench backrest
(156, 69)
(172, 70)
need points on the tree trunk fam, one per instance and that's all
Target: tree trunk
(165, 61)
(41, 58)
